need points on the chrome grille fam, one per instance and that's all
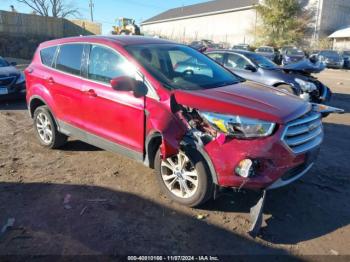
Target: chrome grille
(7, 81)
(305, 133)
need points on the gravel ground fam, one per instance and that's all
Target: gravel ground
(83, 200)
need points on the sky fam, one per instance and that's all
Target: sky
(107, 11)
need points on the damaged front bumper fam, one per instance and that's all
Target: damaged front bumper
(323, 95)
(282, 158)
(278, 159)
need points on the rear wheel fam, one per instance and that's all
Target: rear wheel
(46, 129)
(184, 177)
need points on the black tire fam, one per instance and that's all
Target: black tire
(205, 186)
(58, 139)
(286, 88)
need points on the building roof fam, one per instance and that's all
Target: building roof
(207, 8)
(345, 32)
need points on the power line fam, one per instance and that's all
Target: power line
(91, 5)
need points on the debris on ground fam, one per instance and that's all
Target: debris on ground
(334, 252)
(10, 222)
(66, 201)
(202, 216)
(256, 216)
(83, 211)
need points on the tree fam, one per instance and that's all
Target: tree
(54, 8)
(282, 22)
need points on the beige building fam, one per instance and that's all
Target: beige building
(341, 39)
(234, 21)
(330, 15)
(229, 21)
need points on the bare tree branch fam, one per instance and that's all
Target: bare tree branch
(58, 8)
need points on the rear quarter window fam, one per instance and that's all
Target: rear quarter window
(47, 55)
(69, 58)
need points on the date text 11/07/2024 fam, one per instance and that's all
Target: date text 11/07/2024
(173, 258)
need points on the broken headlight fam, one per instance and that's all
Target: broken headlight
(306, 86)
(238, 126)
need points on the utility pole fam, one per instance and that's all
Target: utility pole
(91, 5)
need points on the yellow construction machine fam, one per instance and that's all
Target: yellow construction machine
(126, 26)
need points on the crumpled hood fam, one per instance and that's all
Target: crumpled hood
(305, 66)
(9, 71)
(248, 99)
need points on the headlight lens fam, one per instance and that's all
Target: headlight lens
(239, 126)
(20, 79)
(306, 86)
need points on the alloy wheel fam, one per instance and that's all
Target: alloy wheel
(44, 128)
(179, 175)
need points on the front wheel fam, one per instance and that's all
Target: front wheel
(184, 177)
(286, 88)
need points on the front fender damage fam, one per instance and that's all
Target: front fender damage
(181, 125)
(168, 122)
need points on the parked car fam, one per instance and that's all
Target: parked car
(286, 47)
(12, 82)
(292, 55)
(241, 47)
(123, 94)
(346, 56)
(331, 58)
(267, 51)
(296, 80)
(203, 45)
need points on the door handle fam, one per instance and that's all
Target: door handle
(50, 80)
(90, 92)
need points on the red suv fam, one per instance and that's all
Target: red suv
(197, 128)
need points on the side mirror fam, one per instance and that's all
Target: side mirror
(126, 83)
(13, 63)
(250, 68)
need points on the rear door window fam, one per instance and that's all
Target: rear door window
(236, 61)
(69, 58)
(218, 57)
(48, 55)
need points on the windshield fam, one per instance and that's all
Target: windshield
(295, 52)
(334, 54)
(181, 67)
(3, 62)
(261, 61)
(347, 53)
(265, 50)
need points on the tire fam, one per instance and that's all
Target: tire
(199, 193)
(286, 88)
(43, 122)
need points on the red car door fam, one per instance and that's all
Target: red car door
(66, 85)
(113, 118)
